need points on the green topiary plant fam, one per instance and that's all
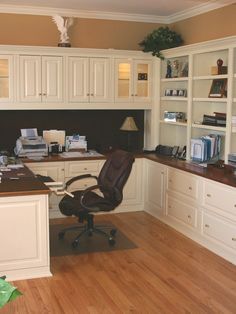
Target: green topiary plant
(160, 39)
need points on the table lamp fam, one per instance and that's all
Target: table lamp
(129, 126)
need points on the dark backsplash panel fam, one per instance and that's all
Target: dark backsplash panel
(101, 127)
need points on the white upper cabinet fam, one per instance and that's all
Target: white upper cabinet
(133, 80)
(6, 78)
(89, 79)
(41, 79)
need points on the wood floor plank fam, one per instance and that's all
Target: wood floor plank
(167, 273)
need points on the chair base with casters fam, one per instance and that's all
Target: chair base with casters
(88, 229)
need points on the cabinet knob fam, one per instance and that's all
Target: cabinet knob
(87, 94)
(208, 195)
(132, 95)
(85, 169)
(207, 226)
(44, 94)
(233, 239)
(234, 205)
(136, 95)
(190, 188)
(189, 216)
(40, 94)
(162, 172)
(92, 94)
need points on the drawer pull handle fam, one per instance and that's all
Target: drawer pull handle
(207, 226)
(208, 195)
(233, 239)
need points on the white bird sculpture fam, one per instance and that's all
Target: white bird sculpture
(63, 24)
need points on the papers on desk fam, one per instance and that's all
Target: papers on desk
(90, 153)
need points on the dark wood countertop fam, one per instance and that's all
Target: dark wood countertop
(27, 184)
(20, 182)
(223, 175)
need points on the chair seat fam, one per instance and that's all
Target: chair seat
(71, 206)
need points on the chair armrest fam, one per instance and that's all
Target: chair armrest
(100, 187)
(83, 176)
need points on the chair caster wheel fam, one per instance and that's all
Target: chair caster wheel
(61, 235)
(112, 242)
(113, 232)
(75, 244)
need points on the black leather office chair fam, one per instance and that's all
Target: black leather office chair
(110, 183)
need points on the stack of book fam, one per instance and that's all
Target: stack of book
(218, 119)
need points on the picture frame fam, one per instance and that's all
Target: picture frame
(168, 92)
(218, 88)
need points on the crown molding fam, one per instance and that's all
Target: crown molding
(14, 9)
(145, 18)
(197, 10)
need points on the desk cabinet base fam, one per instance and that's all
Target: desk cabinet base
(24, 237)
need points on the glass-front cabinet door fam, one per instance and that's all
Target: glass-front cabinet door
(123, 85)
(133, 80)
(142, 80)
(6, 78)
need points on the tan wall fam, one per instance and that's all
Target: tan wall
(94, 33)
(212, 25)
(85, 33)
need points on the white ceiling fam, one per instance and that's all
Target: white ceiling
(164, 11)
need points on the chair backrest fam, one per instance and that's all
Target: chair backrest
(114, 174)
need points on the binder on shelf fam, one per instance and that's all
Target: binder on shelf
(205, 148)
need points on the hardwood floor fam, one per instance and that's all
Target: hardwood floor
(167, 273)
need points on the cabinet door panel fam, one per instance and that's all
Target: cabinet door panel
(78, 82)
(155, 187)
(100, 80)
(52, 82)
(6, 78)
(142, 80)
(30, 79)
(123, 80)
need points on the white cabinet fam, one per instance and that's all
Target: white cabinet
(56, 171)
(24, 245)
(133, 189)
(182, 198)
(41, 79)
(89, 79)
(133, 80)
(219, 217)
(155, 187)
(6, 78)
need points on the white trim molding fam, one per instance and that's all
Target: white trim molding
(145, 18)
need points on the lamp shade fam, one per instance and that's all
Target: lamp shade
(129, 125)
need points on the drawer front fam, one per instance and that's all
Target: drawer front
(75, 168)
(82, 184)
(182, 183)
(220, 197)
(181, 211)
(220, 230)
